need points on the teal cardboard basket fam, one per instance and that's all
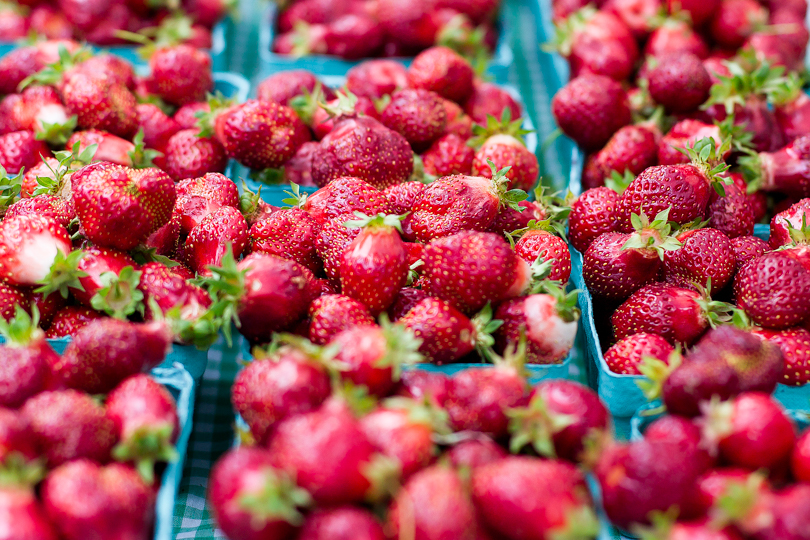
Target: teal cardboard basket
(270, 62)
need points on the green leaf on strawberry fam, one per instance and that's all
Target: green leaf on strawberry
(119, 296)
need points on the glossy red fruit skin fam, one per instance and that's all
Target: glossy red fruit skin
(238, 474)
(479, 397)
(534, 244)
(362, 358)
(447, 334)
(28, 247)
(100, 103)
(625, 356)
(208, 242)
(747, 248)
(733, 214)
(795, 346)
(430, 385)
(376, 78)
(288, 233)
(394, 433)
(475, 452)
(282, 87)
(704, 254)
(341, 523)
(592, 214)
(613, 273)
(345, 196)
(447, 156)
(800, 459)
(443, 71)
(20, 150)
(24, 515)
(490, 99)
(675, 36)
(330, 314)
(632, 148)
(16, 436)
(679, 82)
(198, 197)
(683, 431)
(774, 290)
(667, 310)
(452, 204)
(507, 151)
(24, 370)
(190, 156)
(328, 439)
(180, 74)
(418, 115)
(69, 320)
(793, 216)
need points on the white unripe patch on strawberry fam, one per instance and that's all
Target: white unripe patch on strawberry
(34, 257)
(502, 139)
(51, 114)
(523, 278)
(546, 328)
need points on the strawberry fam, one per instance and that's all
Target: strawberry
(491, 270)
(244, 484)
(632, 148)
(683, 135)
(548, 322)
(409, 25)
(458, 122)
(675, 35)
(333, 239)
(787, 225)
(444, 71)
(537, 244)
(590, 109)
(288, 233)
(328, 439)
(190, 156)
(704, 254)
(795, 346)
(47, 305)
(135, 203)
(732, 214)
(27, 359)
(473, 453)
(750, 431)
(447, 156)
(416, 114)
(106, 501)
(433, 503)
(374, 266)
(489, 99)
(284, 87)
(145, 418)
(342, 523)
(346, 196)
(99, 103)
(29, 244)
(108, 147)
(224, 228)
(353, 36)
(290, 382)
(21, 150)
(782, 170)
(425, 385)
(791, 111)
(617, 264)
(402, 198)
(678, 315)
(504, 150)
(637, 15)
(461, 203)
(69, 320)
(69, 425)
(406, 299)
(592, 214)
(199, 197)
(783, 513)
(800, 459)
(298, 169)
(157, 126)
(626, 355)
(169, 290)
(23, 514)
(747, 248)
(679, 82)
(549, 495)
(38, 109)
(45, 205)
(186, 115)
(774, 290)
(735, 20)
(180, 74)
(107, 351)
(362, 147)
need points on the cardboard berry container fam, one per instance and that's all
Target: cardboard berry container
(270, 62)
(274, 194)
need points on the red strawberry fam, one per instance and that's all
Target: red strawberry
(685, 134)
(637, 15)
(679, 82)
(458, 122)
(11, 297)
(283, 87)
(675, 35)
(418, 115)
(198, 197)
(290, 382)
(539, 245)
(590, 109)
(625, 356)
(180, 74)
(433, 503)
(29, 245)
(190, 156)
(425, 385)
(145, 418)
(332, 313)
(732, 214)
(207, 242)
(109, 147)
(166, 239)
(157, 127)
(26, 359)
(447, 156)
(442, 70)
(774, 290)
(346, 196)
(353, 36)
(402, 198)
(243, 484)
(16, 65)
(364, 148)
(135, 203)
(20, 150)
(476, 452)
(100, 103)
(106, 501)
(406, 299)
(186, 115)
(735, 20)
(288, 233)
(45, 205)
(747, 248)
(592, 214)
(783, 170)
(800, 459)
(333, 239)
(69, 320)
(376, 78)
(524, 497)
(504, 150)
(787, 226)
(107, 351)
(446, 334)
(23, 514)
(69, 425)
(410, 25)
(632, 148)
(171, 290)
(705, 254)
(749, 431)
(489, 99)
(341, 523)
(795, 346)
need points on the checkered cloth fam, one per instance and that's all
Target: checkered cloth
(213, 416)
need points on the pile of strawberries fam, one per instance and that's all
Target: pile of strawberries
(110, 22)
(83, 435)
(687, 150)
(354, 29)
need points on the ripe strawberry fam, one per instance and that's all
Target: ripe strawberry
(433, 503)
(747, 248)
(186, 115)
(675, 35)
(590, 109)
(100, 103)
(283, 87)
(632, 148)
(536, 497)
(444, 71)
(157, 126)
(243, 484)
(406, 299)
(410, 25)
(735, 20)
(430, 386)
(795, 346)
(24, 515)
(447, 156)
(353, 36)
(749, 431)
(637, 15)
(679, 82)
(625, 356)
(135, 203)
(11, 296)
(180, 74)
(800, 459)
(16, 65)
(782, 170)
(490, 268)
(21, 150)
(69, 320)
(145, 418)
(107, 351)
(774, 290)
(190, 156)
(333, 239)
(418, 115)
(328, 439)
(705, 254)
(374, 266)
(170, 290)
(109, 147)
(224, 228)
(69, 425)
(346, 196)
(732, 214)
(26, 359)
(402, 198)
(198, 197)
(29, 244)
(45, 205)
(504, 150)
(489, 99)
(330, 314)
(474, 453)
(537, 244)
(592, 214)
(106, 501)
(341, 523)
(362, 147)
(458, 122)
(288, 233)
(787, 225)
(38, 109)
(290, 382)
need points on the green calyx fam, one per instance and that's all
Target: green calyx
(206, 120)
(751, 167)
(281, 341)
(202, 331)
(16, 470)
(226, 285)
(23, 328)
(741, 139)
(383, 473)
(52, 74)
(709, 158)
(618, 182)
(67, 162)
(566, 31)
(249, 201)
(119, 296)
(656, 373)
(737, 500)
(459, 35)
(485, 325)
(787, 90)
(716, 422)
(504, 126)
(356, 397)
(64, 274)
(173, 30)
(146, 446)
(306, 104)
(140, 156)
(800, 235)
(57, 134)
(566, 302)
(653, 235)
(296, 198)
(301, 42)
(345, 106)
(402, 347)
(715, 311)
(757, 81)
(364, 221)
(535, 425)
(581, 523)
(279, 499)
(500, 187)
(270, 177)
(660, 525)
(10, 187)
(514, 357)
(423, 412)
